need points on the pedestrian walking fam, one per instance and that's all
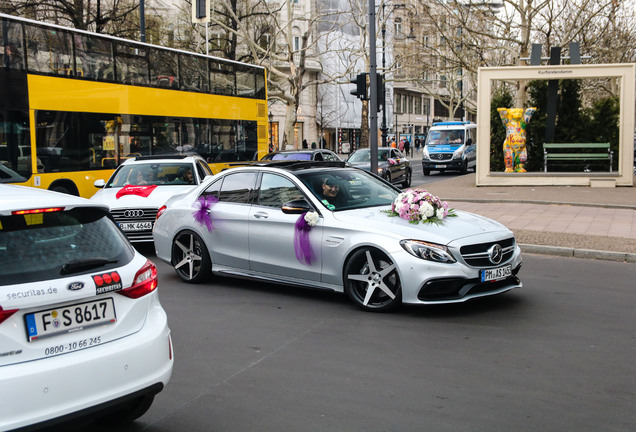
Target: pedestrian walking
(407, 148)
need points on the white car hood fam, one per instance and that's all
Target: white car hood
(157, 197)
(452, 228)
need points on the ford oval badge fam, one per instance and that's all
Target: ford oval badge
(75, 286)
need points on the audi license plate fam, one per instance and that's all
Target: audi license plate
(70, 319)
(496, 274)
(135, 226)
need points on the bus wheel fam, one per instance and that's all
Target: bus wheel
(60, 189)
(64, 188)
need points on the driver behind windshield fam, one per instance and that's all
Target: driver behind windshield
(331, 195)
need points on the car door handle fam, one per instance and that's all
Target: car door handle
(261, 215)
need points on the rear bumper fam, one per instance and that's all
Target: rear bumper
(46, 390)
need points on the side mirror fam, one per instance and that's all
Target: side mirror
(299, 206)
(469, 142)
(99, 183)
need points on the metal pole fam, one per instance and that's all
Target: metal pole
(384, 128)
(142, 21)
(373, 83)
(207, 39)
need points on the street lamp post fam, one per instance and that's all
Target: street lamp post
(383, 128)
(271, 132)
(142, 21)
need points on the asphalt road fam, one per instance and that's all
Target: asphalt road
(556, 355)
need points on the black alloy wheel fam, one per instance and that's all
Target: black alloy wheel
(190, 257)
(371, 281)
(407, 179)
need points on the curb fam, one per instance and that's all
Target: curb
(539, 202)
(578, 253)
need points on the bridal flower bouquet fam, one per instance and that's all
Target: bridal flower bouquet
(418, 205)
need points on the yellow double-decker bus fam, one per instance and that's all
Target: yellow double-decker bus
(75, 104)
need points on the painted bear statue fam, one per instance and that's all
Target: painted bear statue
(514, 148)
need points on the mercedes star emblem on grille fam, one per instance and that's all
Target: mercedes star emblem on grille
(133, 213)
(495, 254)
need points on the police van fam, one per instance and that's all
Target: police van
(450, 146)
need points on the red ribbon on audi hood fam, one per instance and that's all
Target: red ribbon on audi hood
(142, 191)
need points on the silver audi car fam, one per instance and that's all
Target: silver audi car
(329, 226)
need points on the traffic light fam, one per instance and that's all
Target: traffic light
(201, 11)
(381, 94)
(361, 86)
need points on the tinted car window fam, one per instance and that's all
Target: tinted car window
(276, 190)
(329, 156)
(294, 156)
(43, 243)
(203, 169)
(238, 188)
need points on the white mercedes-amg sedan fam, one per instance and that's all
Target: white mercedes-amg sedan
(327, 226)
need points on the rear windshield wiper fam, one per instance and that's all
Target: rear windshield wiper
(79, 265)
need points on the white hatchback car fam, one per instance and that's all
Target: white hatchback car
(141, 185)
(81, 327)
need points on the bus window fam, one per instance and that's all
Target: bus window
(12, 48)
(194, 73)
(222, 78)
(93, 57)
(245, 82)
(164, 69)
(15, 148)
(131, 64)
(49, 51)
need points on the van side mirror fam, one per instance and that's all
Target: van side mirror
(99, 183)
(469, 142)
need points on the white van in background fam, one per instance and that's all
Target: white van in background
(450, 146)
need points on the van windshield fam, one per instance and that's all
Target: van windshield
(450, 136)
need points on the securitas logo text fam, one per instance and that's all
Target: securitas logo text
(31, 293)
(107, 282)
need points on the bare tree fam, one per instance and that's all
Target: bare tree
(501, 33)
(115, 17)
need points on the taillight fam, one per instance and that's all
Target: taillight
(161, 211)
(5, 314)
(36, 211)
(144, 283)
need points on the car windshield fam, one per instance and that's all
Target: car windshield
(44, 243)
(362, 156)
(436, 137)
(153, 174)
(292, 156)
(356, 188)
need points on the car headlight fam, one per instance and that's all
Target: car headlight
(458, 155)
(380, 171)
(425, 155)
(428, 251)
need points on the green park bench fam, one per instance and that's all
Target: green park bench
(566, 152)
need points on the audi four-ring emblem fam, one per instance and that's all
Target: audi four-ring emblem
(133, 213)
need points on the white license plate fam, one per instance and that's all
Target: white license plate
(496, 274)
(135, 226)
(70, 319)
(440, 166)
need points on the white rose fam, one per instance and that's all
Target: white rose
(427, 210)
(311, 218)
(440, 213)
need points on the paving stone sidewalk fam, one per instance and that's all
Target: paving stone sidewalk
(572, 221)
